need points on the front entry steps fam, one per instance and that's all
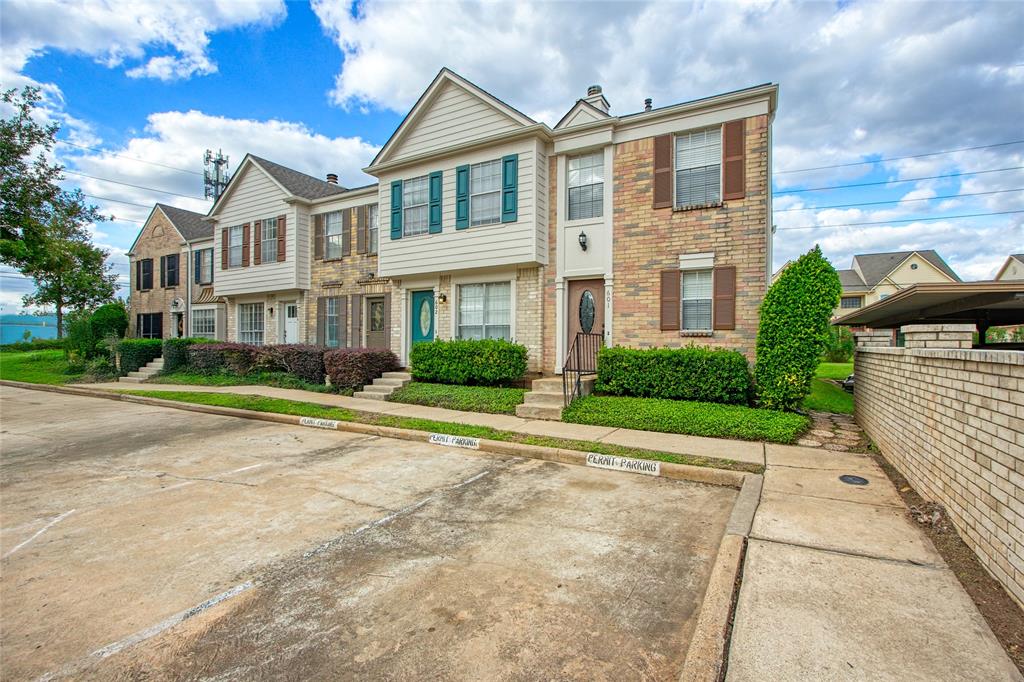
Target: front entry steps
(144, 373)
(383, 387)
(546, 400)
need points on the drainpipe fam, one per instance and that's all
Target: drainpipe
(188, 292)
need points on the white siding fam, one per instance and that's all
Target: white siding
(456, 116)
(255, 196)
(523, 241)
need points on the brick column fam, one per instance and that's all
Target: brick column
(873, 338)
(938, 335)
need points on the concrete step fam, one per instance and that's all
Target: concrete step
(132, 380)
(384, 390)
(397, 375)
(539, 412)
(370, 396)
(141, 374)
(544, 399)
(384, 381)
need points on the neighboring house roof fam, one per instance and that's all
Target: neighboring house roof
(189, 224)
(998, 303)
(869, 269)
(851, 281)
(1012, 257)
(299, 184)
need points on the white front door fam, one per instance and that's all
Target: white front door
(291, 323)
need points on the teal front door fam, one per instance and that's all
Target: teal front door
(422, 316)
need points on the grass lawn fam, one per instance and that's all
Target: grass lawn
(467, 398)
(834, 370)
(36, 367)
(826, 396)
(275, 379)
(687, 417)
(304, 409)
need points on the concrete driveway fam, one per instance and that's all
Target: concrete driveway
(139, 541)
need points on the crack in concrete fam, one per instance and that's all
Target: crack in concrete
(211, 480)
(851, 553)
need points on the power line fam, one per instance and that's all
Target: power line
(117, 201)
(893, 182)
(899, 201)
(125, 156)
(128, 184)
(900, 158)
(901, 220)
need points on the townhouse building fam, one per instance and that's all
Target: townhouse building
(874, 277)
(645, 229)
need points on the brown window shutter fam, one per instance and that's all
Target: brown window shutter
(321, 321)
(342, 321)
(318, 236)
(357, 320)
(663, 172)
(346, 232)
(224, 247)
(723, 312)
(387, 319)
(733, 175)
(281, 227)
(670, 299)
(245, 245)
(257, 239)
(361, 229)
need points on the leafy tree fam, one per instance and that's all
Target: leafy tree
(794, 330)
(110, 319)
(840, 344)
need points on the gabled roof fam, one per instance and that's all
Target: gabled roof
(298, 184)
(851, 281)
(1012, 257)
(189, 224)
(444, 76)
(593, 114)
(874, 267)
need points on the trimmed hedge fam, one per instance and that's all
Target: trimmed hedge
(136, 353)
(355, 367)
(713, 375)
(795, 330)
(485, 362)
(176, 352)
(220, 358)
(304, 361)
(687, 417)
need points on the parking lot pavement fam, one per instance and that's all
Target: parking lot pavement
(315, 554)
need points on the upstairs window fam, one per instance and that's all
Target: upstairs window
(332, 235)
(485, 193)
(169, 270)
(268, 240)
(235, 246)
(586, 186)
(144, 274)
(699, 168)
(696, 300)
(415, 195)
(372, 232)
(850, 302)
(206, 266)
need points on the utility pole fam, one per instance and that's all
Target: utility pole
(215, 176)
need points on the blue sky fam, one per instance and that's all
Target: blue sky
(321, 86)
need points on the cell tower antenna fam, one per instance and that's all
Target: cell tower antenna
(215, 175)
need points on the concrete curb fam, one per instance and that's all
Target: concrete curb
(682, 472)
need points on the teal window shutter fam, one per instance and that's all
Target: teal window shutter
(435, 202)
(396, 209)
(462, 197)
(510, 188)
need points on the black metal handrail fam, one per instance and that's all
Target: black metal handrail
(579, 361)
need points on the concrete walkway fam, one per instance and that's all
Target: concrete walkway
(735, 450)
(839, 584)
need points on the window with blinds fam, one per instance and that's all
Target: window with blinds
(485, 193)
(696, 300)
(698, 168)
(372, 231)
(250, 323)
(415, 194)
(331, 339)
(485, 311)
(268, 241)
(586, 186)
(235, 246)
(332, 235)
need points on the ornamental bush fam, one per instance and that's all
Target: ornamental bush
(136, 353)
(794, 330)
(355, 367)
(484, 362)
(176, 352)
(711, 375)
(304, 361)
(223, 358)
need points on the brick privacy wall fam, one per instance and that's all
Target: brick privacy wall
(952, 422)
(158, 238)
(647, 241)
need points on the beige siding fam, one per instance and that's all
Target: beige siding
(455, 117)
(481, 246)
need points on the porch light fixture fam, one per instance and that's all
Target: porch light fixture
(583, 240)
(442, 298)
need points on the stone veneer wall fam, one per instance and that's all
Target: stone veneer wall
(951, 420)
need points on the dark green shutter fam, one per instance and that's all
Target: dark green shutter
(396, 209)
(435, 202)
(462, 197)
(510, 188)
(163, 271)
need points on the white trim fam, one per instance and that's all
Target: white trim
(697, 261)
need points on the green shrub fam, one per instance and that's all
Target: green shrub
(485, 362)
(136, 353)
(840, 345)
(110, 319)
(176, 352)
(687, 417)
(713, 375)
(350, 368)
(794, 330)
(34, 344)
(491, 399)
(80, 340)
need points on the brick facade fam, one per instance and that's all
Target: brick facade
(951, 420)
(345, 277)
(157, 238)
(648, 240)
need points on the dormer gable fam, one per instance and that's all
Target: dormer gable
(581, 112)
(450, 112)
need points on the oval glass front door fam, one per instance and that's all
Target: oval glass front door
(587, 311)
(425, 318)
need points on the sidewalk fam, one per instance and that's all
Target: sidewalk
(736, 450)
(839, 584)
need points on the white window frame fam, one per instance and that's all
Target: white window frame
(233, 248)
(268, 245)
(408, 206)
(487, 286)
(480, 193)
(676, 168)
(859, 300)
(206, 265)
(598, 171)
(373, 229)
(331, 312)
(710, 298)
(248, 315)
(333, 220)
(209, 326)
